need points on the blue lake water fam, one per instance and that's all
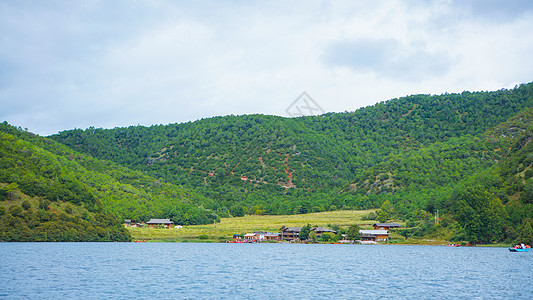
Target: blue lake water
(265, 271)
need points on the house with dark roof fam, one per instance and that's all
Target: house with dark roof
(160, 223)
(385, 226)
(290, 233)
(320, 230)
(379, 235)
(270, 236)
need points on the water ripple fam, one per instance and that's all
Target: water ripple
(273, 271)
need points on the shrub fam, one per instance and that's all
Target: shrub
(26, 205)
(3, 194)
(370, 216)
(15, 211)
(44, 203)
(328, 237)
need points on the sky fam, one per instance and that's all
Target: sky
(76, 64)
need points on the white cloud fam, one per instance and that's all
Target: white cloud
(106, 64)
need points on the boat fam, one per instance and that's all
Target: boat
(520, 248)
(453, 245)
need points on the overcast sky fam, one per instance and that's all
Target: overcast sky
(75, 64)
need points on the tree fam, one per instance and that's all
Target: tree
(527, 194)
(238, 210)
(3, 194)
(387, 206)
(26, 205)
(328, 237)
(526, 234)
(312, 237)
(44, 204)
(353, 233)
(11, 189)
(304, 232)
(481, 214)
(383, 216)
(16, 211)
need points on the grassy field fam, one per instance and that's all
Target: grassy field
(224, 230)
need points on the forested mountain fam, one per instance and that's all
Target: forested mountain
(49, 192)
(264, 164)
(496, 203)
(467, 155)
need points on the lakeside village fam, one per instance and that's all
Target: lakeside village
(380, 233)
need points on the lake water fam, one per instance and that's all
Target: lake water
(271, 271)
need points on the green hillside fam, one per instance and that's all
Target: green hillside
(467, 156)
(493, 204)
(50, 192)
(275, 165)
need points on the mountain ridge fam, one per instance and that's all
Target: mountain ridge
(409, 156)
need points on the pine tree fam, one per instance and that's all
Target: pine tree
(526, 234)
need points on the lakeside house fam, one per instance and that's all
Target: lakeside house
(321, 230)
(166, 223)
(385, 226)
(290, 233)
(129, 223)
(293, 233)
(251, 237)
(378, 235)
(269, 236)
(259, 236)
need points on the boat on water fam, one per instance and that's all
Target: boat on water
(518, 250)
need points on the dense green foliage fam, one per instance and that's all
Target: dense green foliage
(24, 225)
(32, 166)
(482, 215)
(526, 234)
(353, 233)
(406, 150)
(304, 232)
(467, 155)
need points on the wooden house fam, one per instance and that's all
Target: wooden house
(320, 230)
(290, 233)
(379, 235)
(385, 226)
(269, 236)
(166, 223)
